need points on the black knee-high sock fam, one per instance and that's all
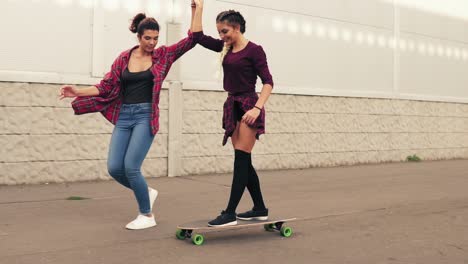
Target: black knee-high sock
(240, 179)
(254, 189)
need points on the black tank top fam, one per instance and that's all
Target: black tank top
(137, 87)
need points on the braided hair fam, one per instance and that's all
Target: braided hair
(233, 18)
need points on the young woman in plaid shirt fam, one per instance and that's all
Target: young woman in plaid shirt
(128, 96)
(244, 114)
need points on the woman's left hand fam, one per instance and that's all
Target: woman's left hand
(251, 115)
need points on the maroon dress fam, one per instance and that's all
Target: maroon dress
(240, 76)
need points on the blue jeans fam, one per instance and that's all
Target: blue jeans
(130, 142)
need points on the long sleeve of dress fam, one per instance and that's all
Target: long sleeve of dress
(211, 43)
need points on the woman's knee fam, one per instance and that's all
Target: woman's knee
(132, 172)
(115, 171)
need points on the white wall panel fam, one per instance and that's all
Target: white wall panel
(447, 19)
(366, 12)
(45, 36)
(375, 48)
(306, 52)
(433, 67)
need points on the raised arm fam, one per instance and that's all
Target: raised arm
(193, 7)
(211, 43)
(197, 12)
(197, 26)
(176, 50)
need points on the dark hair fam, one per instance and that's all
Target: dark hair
(140, 23)
(232, 17)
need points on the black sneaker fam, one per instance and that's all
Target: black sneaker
(254, 215)
(224, 219)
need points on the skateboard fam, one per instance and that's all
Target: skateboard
(192, 229)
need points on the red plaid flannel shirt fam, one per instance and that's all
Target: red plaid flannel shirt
(109, 101)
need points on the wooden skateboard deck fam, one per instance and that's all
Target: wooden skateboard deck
(187, 230)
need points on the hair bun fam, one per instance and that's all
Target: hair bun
(136, 20)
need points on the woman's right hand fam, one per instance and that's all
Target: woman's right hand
(198, 3)
(68, 91)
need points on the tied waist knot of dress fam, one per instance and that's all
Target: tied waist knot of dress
(235, 107)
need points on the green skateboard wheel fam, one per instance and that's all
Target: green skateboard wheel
(180, 234)
(286, 231)
(198, 240)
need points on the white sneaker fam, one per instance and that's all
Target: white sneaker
(152, 196)
(141, 222)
